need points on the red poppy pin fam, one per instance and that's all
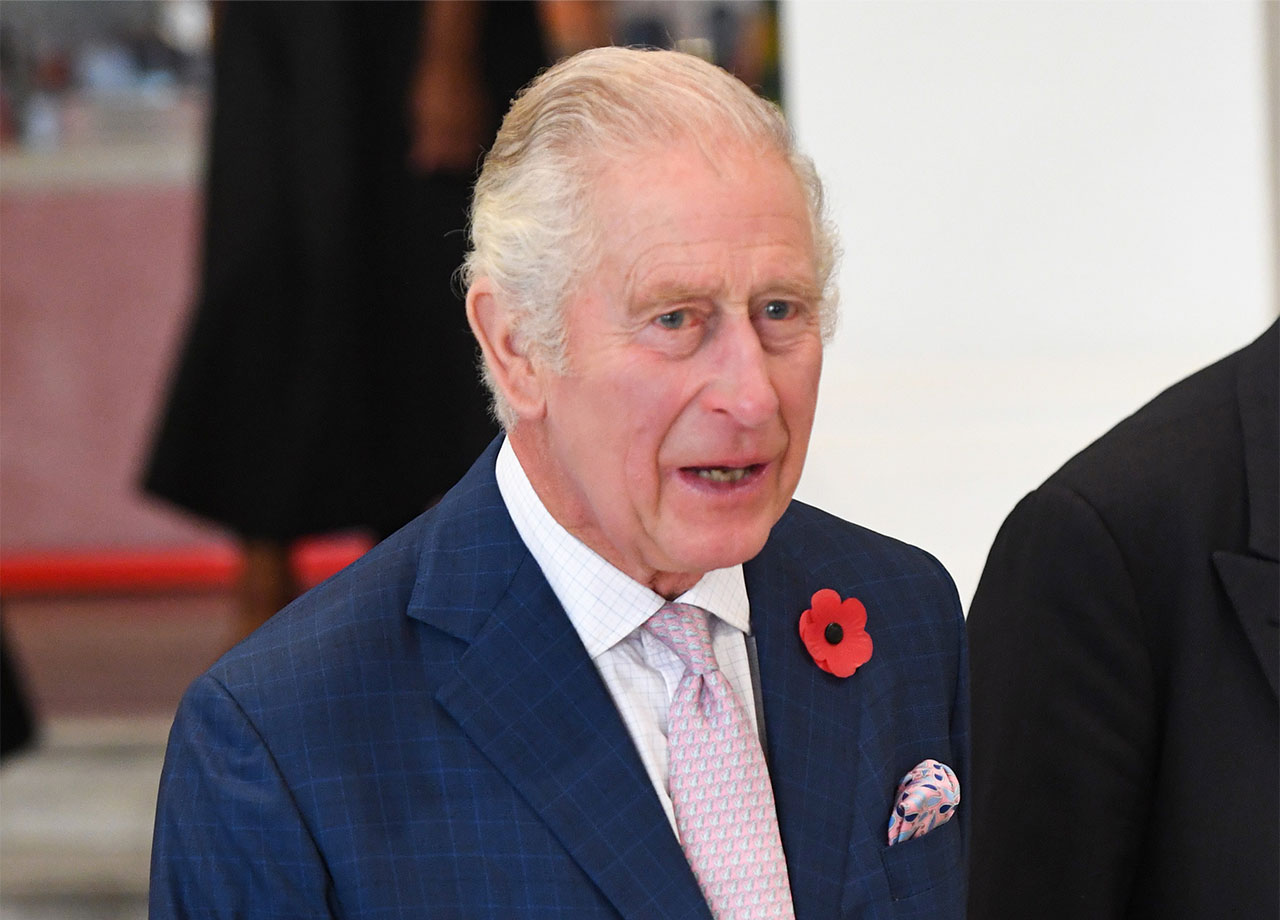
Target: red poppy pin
(834, 631)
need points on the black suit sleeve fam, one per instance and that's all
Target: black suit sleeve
(1064, 718)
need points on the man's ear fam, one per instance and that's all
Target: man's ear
(505, 354)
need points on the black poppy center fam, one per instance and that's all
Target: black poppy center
(833, 633)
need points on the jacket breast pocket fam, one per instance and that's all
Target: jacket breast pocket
(932, 865)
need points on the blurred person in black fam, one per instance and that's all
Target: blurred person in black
(1125, 659)
(328, 380)
(17, 722)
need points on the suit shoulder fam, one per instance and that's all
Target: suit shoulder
(1169, 480)
(857, 561)
(360, 613)
(1189, 430)
(1180, 457)
(329, 629)
(829, 539)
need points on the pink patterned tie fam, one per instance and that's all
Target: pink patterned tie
(718, 780)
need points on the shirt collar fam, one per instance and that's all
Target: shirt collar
(604, 604)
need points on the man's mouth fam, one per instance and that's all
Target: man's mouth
(725, 473)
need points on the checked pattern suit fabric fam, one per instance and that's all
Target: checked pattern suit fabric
(425, 736)
(719, 781)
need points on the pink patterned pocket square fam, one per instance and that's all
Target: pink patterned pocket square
(927, 798)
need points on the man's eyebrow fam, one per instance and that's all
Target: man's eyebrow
(688, 289)
(804, 290)
(675, 291)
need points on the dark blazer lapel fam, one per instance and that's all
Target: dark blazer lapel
(811, 722)
(1252, 580)
(1253, 585)
(530, 698)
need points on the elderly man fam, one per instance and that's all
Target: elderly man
(616, 672)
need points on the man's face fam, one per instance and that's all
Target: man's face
(675, 439)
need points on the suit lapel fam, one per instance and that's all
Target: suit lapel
(529, 697)
(1253, 585)
(813, 726)
(1252, 580)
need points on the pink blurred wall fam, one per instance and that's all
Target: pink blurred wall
(95, 285)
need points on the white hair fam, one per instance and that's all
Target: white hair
(532, 231)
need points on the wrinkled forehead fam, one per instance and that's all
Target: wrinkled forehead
(625, 191)
(702, 218)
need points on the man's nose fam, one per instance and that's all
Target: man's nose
(742, 386)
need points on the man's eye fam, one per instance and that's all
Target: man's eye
(673, 320)
(778, 309)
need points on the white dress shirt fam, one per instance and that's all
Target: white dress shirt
(608, 609)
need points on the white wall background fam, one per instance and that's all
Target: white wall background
(1050, 211)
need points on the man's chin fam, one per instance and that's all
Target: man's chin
(720, 550)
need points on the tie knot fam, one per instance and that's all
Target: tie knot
(684, 629)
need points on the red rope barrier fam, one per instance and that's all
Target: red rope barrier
(206, 568)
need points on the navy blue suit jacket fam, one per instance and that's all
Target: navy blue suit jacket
(424, 735)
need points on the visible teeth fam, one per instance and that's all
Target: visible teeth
(721, 474)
